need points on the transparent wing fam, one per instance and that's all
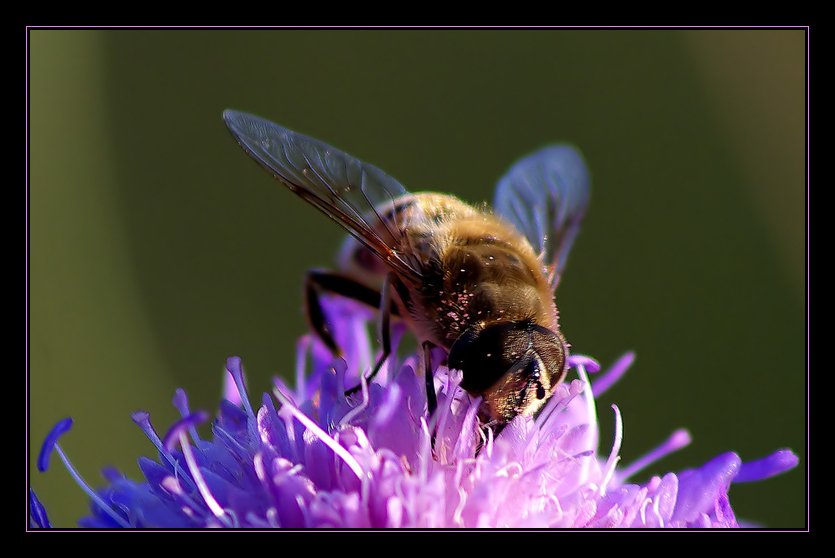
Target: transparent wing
(342, 187)
(545, 196)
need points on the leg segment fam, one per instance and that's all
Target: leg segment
(429, 378)
(386, 307)
(337, 284)
(317, 281)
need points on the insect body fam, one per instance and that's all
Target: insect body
(477, 283)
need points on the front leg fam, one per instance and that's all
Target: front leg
(429, 378)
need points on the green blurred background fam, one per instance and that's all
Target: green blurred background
(157, 248)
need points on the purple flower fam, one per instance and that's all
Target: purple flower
(374, 460)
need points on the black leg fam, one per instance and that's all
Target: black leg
(429, 378)
(315, 316)
(386, 307)
(344, 286)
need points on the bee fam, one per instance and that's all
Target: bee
(476, 282)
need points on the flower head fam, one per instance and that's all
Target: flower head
(375, 460)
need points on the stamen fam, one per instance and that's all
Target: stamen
(591, 411)
(425, 452)
(487, 448)
(591, 365)
(679, 439)
(143, 420)
(614, 374)
(321, 434)
(462, 501)
(178, 434)
(613, 456)
(60, 428)
(180, 402)
(775, 464)
(188, 422)
(51, 442)
(546, 422)
(350, 415)
(188, 505)
(365, 444)
(465, 436)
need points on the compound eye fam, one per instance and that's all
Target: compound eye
(528, 352)
(483, 356)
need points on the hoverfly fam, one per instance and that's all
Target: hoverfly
(475, 282)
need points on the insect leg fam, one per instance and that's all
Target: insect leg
(429, 377)
(386, 307)
(317, 281)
